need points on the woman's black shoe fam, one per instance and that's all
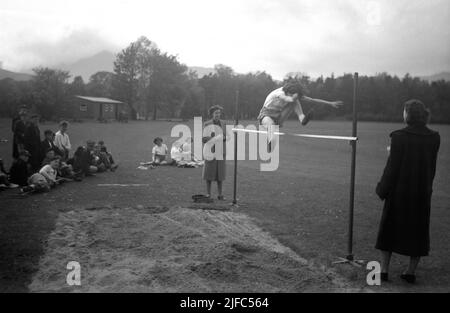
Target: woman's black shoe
(384, 276)
(409, 278)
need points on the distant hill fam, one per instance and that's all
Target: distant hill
(16, 76)
(202, 71)
(86, 67)
(441, 76)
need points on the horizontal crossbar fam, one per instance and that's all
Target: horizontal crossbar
(297, 135)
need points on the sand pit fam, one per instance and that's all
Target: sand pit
(156, 249)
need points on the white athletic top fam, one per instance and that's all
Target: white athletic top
(160, 150)
(62, 141)
(48, 172)
(275, 103)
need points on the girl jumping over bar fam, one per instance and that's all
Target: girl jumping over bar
(281, 102)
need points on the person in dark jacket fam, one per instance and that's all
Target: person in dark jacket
(19, 125)
(47, 144)
(83, 160)
(20, 169)
(32, 142)
(406, 188)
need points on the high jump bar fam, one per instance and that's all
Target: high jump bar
(296, 135)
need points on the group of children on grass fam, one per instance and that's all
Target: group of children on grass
(51, 164)
(180, 155)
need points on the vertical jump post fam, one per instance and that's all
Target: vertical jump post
(236, 122)
(350, 257)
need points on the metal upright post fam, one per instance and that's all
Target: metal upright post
(236, 117)
(350, 257)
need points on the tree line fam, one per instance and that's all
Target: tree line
(154, 83)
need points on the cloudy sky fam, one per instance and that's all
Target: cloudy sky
(277, 36)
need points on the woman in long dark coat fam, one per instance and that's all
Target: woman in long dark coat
(406, 188)
(32, 142)
(19, 126)
(214, 170)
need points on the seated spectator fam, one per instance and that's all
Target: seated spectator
(182, 152)
(48, 144)
(83, 160)
(36, 183)
(102, 160)
(50, 172)
(46, 179)
(20, 169)
(183, 155)
(4, 181)
(49, 154)
(62, 140)
(160, 152)
(105, 150)
(66, 172)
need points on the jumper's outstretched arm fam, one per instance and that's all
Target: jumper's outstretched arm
(334, 104)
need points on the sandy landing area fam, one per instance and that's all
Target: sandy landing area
(157, 249)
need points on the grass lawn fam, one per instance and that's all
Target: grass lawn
(303, 204)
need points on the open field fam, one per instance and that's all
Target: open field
(290, 225)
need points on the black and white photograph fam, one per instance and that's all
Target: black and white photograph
(240, 148)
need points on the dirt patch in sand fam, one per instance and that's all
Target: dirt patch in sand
(157, 249)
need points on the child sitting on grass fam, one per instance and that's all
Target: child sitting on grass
(83, 160)
(102, 159)
(45, 179)
(160, 152)
(64, 170)
(50, 172)
(4, 182)
(20, 169)
(104, 150)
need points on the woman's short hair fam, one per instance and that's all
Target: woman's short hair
(214, 108)
(294, 87)
(416, 112)
(64, 123)
(157, 139)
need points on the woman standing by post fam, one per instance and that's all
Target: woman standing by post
(406, 188)
(214, 170)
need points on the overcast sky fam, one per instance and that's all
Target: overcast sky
(276, 36)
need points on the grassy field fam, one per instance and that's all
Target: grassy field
(303, 204)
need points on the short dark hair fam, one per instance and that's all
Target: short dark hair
(157, 139)
(214, 108)
(56, 157)
(294, 87)
(48, 132)
(416, 112)
(63, 123)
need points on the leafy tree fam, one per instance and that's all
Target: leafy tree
(133, 72)
(50, 91)
(101, 84)
(77, 87)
